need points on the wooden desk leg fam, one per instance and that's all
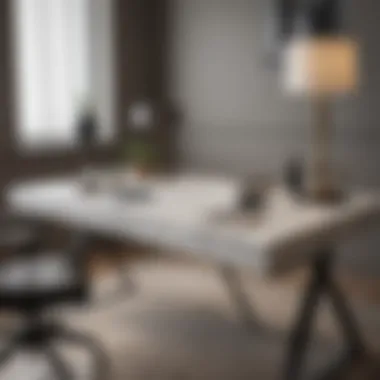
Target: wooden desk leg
(322, 284)
(231, 279)
(347, 320)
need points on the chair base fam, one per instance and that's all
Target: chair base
(40, 337)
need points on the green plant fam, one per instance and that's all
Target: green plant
(141, 152)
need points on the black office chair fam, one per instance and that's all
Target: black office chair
(16, 235)
(31, 285)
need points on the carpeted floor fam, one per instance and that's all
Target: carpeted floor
(180, 324)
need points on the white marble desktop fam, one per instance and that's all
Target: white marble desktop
(187, 214)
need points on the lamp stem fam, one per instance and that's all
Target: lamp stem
(322, 185)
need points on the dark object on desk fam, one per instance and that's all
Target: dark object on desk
(31, 286)
(296, 182)
(87, 133)
(87, 130)
(294, 176)
(253, 195)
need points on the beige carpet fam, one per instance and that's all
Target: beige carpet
(181, 325)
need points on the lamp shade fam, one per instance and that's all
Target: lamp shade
(320, 65)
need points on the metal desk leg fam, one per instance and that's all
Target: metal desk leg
(300, 336)
(322, 284)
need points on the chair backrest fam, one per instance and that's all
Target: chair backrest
(17, 238)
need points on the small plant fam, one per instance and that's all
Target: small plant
(141, 154)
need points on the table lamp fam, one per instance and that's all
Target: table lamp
(322, 68)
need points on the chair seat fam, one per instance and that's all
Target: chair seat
(15, 236)
(43, 279)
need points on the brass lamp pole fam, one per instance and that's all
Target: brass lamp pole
(321, 68)
(323, 187)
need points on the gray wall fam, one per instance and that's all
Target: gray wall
(102, 62)
(235, 116)
(236, 120)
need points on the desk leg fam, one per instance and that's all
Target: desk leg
(232, 282)
(347, 320)
(322, 284)
(125, 287)
(300, 336)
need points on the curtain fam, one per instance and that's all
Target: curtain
(52, 61)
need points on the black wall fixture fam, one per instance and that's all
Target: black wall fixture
(324, 17)
(300, 17)
(317, 17)
(287, 13)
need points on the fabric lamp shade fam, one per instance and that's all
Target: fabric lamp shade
(320, 66)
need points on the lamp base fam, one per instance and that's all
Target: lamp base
(329, 195)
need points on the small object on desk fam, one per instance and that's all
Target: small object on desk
(124, 186)
(130, 187)
(331, 195)
(253, 195)
(294, 176)
(300, 186)
(133, 192)
(237, 217)
(250, 204)
(89, 180)
(87, 127)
